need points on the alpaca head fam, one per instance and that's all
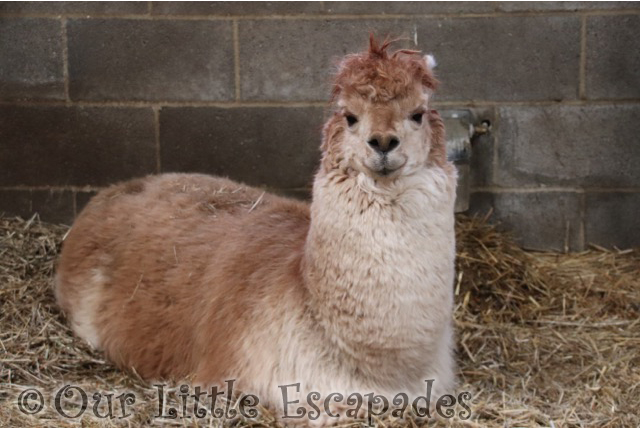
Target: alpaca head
(382, 125)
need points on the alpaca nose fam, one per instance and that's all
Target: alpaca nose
(383, 143)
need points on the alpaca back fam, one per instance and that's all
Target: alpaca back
(156, 268)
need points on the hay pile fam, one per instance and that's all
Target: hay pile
(544, 339)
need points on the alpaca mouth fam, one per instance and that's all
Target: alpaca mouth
(386, 168)
(387, 171)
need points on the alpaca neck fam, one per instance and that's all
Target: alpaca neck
(378, 256)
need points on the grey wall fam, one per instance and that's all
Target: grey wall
(95, 92)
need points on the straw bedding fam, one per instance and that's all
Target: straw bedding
(544, 339)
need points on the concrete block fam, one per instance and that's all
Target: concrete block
(613, 57)
(613, 219)
(569, 145)
(293, 59)
(54, 206)
(276, 147)
(88, 8)
(82, 199)
(408, 7)
(232, 8)
(118, 59)
(563, 6)
(479, 58)
(31, 63)
(523, 58)
(538, 220)
(64, 146)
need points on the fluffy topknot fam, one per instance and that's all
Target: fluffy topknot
(381, 76)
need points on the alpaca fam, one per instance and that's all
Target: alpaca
(188, 275)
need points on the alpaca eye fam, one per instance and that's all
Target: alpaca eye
(351, 119)
(417, 118)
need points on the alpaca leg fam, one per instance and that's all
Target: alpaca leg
(82, 307)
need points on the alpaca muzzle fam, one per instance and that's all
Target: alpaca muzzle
(383, 143)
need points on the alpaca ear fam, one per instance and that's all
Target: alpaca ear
(429, 81)
(430, 61)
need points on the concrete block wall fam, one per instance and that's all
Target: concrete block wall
(96, 92)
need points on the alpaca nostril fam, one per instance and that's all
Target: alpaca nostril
(374, 143)
(393, 143)
(383, 144)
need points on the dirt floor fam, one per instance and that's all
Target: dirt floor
(544, 339)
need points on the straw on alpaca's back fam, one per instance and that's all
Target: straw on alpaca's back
(147, 261)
